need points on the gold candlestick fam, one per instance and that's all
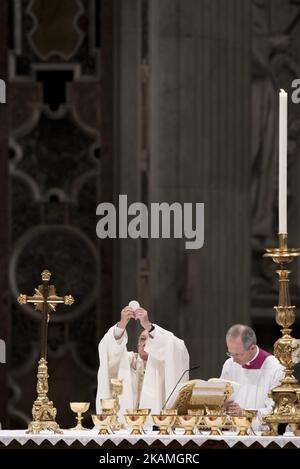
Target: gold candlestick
(286, 396)
(45, 301)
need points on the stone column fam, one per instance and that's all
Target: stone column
(126, 152)
(200, 152)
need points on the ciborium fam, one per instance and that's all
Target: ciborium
(169, 411)
(138, 411)
(104, 422)
(200, 416)
(244, 421)
(188, 422)
(136, 421)
(215, 423)
(164, 422)
(286, 396)
(79, 408)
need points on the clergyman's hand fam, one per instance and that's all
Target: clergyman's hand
(127, 313)
(232, 408)
(142, 315)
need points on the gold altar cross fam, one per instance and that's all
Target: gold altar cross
(44, 300)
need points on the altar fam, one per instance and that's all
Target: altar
(90, 439)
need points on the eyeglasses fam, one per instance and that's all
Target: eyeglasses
(235, 355)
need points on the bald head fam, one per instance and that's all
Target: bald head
(241, 344)
(246, 334)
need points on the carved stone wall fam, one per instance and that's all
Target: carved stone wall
(55, 185)
(181, 105)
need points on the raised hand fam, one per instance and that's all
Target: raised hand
(232, 408)
(127, 313)
(142, 315)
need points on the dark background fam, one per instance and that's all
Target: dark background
(162, 100)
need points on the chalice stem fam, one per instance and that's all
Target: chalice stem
(79, 418)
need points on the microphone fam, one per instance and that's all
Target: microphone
(185, 371)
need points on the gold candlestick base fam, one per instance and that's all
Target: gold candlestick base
(286, 396)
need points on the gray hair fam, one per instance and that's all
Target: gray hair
(246, 333)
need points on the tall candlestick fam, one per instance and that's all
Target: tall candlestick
(282, 193)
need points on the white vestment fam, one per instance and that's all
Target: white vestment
(168, 358)
(254, 385)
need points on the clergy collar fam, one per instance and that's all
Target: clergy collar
(255, 356)
(257, 361)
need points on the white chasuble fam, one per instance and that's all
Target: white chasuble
(145, 384)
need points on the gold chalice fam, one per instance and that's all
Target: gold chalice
(229, 425)
(108, 406)
(116, 390)
(79, 408)
(244, 421)
(164, 422)
(188, 422)
(168, 412)
(214, 410)
(138, 411)
(104, 422)
(215, 423)
(136, 421)
(199, 413)
(250, 413)
(116, 386)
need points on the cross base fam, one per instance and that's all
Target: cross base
(43, 410)
(37, 426)
(44, 414)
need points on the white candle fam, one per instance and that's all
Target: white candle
(282, 193)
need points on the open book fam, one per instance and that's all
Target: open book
(198, 393)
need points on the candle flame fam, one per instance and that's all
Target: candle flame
(282, 90)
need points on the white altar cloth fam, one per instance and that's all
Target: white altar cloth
(84, 437)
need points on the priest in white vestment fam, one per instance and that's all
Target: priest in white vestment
(150, 375)
(256, 370)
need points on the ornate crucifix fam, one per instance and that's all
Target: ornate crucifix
(45, 300)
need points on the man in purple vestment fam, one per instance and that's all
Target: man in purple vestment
(256, 370)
